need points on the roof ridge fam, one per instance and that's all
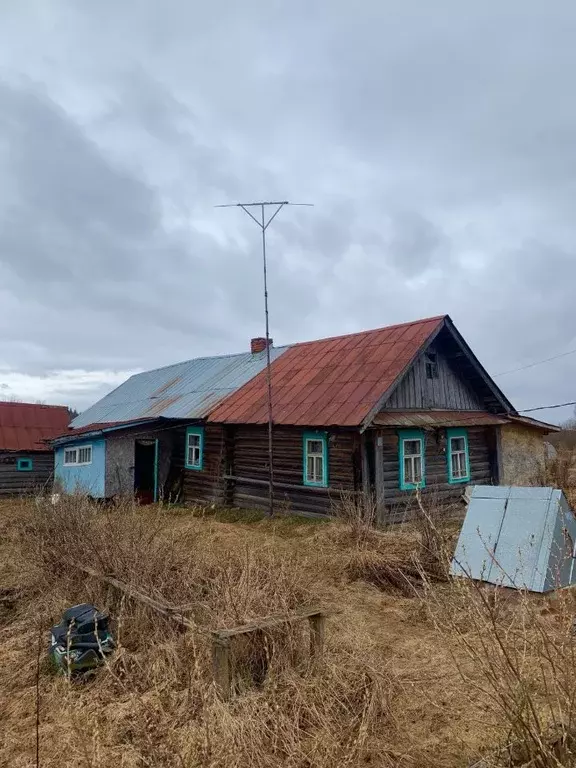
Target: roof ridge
(295, 343)
(369, 330)
(196, 359)
(33, 405)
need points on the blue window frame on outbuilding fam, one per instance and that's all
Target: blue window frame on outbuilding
(412, 460)
(24, 465)
(194, 458)
(457, 455)
(315, 459)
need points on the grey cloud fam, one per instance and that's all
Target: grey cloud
(436, 143)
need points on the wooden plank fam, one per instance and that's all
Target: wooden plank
(286, 486)
(160, 607)
(221, 667)
(317, 635)
(268, 622)
(499, 468)
(365, 466)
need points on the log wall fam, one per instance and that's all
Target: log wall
(15, 483)
(249, 465)
(207, 484)
(438, 491)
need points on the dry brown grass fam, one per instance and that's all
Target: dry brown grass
(399, 685)
(560, 471)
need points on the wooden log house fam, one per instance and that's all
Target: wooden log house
(378, 414)
(26, 458)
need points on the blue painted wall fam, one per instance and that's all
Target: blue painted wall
(89, 478)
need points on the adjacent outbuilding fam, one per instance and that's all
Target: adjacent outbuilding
(26, 458)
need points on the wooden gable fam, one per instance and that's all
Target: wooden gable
(432, 382)
(446, 375)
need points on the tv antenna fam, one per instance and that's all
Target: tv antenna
(264, 223)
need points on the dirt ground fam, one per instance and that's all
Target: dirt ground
(392, 690)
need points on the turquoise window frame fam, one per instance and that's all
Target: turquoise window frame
(323, 436)
(403, 436)
(198, 431)
(25, 465)
(457, 433)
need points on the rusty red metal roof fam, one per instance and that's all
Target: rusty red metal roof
(423, 419)
(331, 381)
(25, 426)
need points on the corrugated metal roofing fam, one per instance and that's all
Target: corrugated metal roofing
(436, 419)
(527, 421)
(97, 428)
(184, 390)
(25, 426)
(331, 381)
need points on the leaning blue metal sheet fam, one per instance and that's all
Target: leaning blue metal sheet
(517, 537)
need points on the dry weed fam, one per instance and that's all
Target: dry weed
(515, 653)
(410, 683)
(154, 703)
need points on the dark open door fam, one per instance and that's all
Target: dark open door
(146, 470)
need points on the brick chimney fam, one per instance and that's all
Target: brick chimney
(259, 344)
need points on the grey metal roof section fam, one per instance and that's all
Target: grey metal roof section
(181, 391)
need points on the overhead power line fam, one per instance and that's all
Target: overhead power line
(545, 407)
(537, 362)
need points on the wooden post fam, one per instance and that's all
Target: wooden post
(221, 665)
(229, 482)
(498, 470)
(365, 470)
(379, 478)
(317, 631)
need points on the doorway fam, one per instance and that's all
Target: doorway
(146, 471)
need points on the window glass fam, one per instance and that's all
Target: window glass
(315, 457)
(411, 457)
(194, 450)
(413, 461)
(85, 455)
(458, 459)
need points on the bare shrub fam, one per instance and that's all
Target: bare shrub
(417, 683)
(515, 654)
(560, 471)
(154, 703)
(402, 561)
(358, 513)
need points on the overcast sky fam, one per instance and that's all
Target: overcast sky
(437, 142)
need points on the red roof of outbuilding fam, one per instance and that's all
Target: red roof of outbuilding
(25, 426)
(331, 381)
